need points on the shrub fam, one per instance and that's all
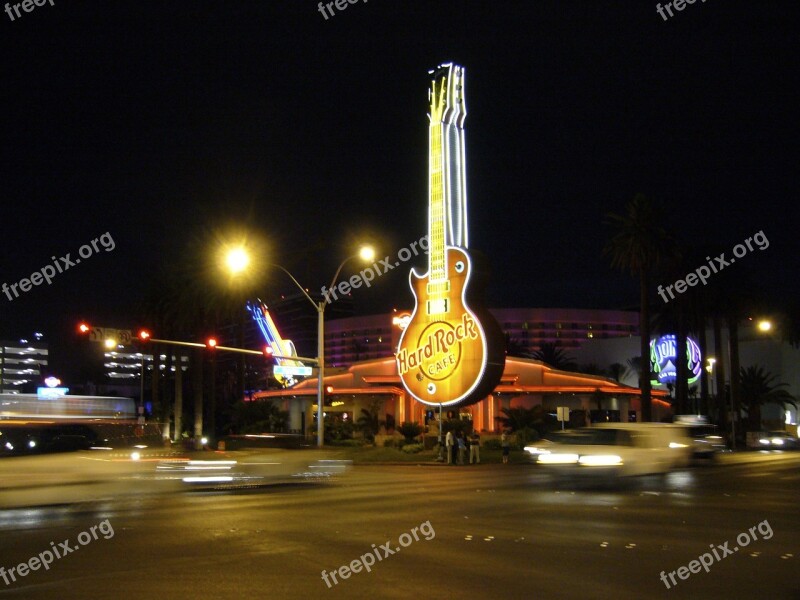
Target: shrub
(456, 425)
(412, 448)
(492, 444)
(349, 443)
(525, 436)
(409, 430)
(390, 443)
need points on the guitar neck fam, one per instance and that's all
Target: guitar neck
(436, 216)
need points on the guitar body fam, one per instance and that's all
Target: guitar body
(445, 354)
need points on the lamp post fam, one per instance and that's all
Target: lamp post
(238, 260)
(710, 370)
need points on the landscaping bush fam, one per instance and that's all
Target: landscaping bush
(349, 443)
(412, 448)
(526, 436)
(409, 430)
(492, 444)
(390, 443)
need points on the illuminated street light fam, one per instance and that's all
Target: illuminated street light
(764, 325)
(710, 369)
(110, 343)
(237, 260)
(367, 253)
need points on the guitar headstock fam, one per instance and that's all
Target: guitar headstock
(446, 95)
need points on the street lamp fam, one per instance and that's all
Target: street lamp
(710, 369)
(238, 256)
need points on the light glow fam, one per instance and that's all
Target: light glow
(237, 260)
(367, 253)
(600, 460)
(764, 326)
(558, 459)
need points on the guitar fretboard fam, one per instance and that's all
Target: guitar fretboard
(438, 270)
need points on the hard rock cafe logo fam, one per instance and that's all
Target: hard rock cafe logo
(438, 350)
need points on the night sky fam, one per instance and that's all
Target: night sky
(167, 122)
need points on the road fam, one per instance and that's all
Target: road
(488, 531)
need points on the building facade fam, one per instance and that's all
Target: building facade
(354, 339)
(23, 363)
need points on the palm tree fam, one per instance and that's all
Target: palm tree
(515, 347)
(635, 365)
(517, 419)
(758, 387)
(618, 372)
(369, 423)
(640, 246)
(554, 356)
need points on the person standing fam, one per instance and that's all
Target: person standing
(475, 448)
(448, 444)
(462, 447)
(506, 445)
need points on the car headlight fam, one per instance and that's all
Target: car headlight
(764, 441)
(677, 445)
(600, 460)
(777, 441)
(536, 451)
(558, 459)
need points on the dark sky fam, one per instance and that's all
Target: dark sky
(163, 122)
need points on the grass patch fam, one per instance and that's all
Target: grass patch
(373, 455)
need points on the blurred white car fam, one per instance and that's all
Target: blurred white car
(614, 450)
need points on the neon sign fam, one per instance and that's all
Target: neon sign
(450, 351)
(664, 358)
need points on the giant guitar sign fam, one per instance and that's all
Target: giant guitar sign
(451, 352)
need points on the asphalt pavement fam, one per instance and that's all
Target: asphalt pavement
(481, 531)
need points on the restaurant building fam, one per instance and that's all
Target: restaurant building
(363, 372)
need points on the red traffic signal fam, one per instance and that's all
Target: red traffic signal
(84, 328)
(268, 351)
(144, 335)
(211, 343)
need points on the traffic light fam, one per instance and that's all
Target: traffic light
(268, 351)
(84, 328)
(144, 335)
(211, 343)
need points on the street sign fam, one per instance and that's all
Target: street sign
(285, 371)
(563, 415)
(101, 334)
